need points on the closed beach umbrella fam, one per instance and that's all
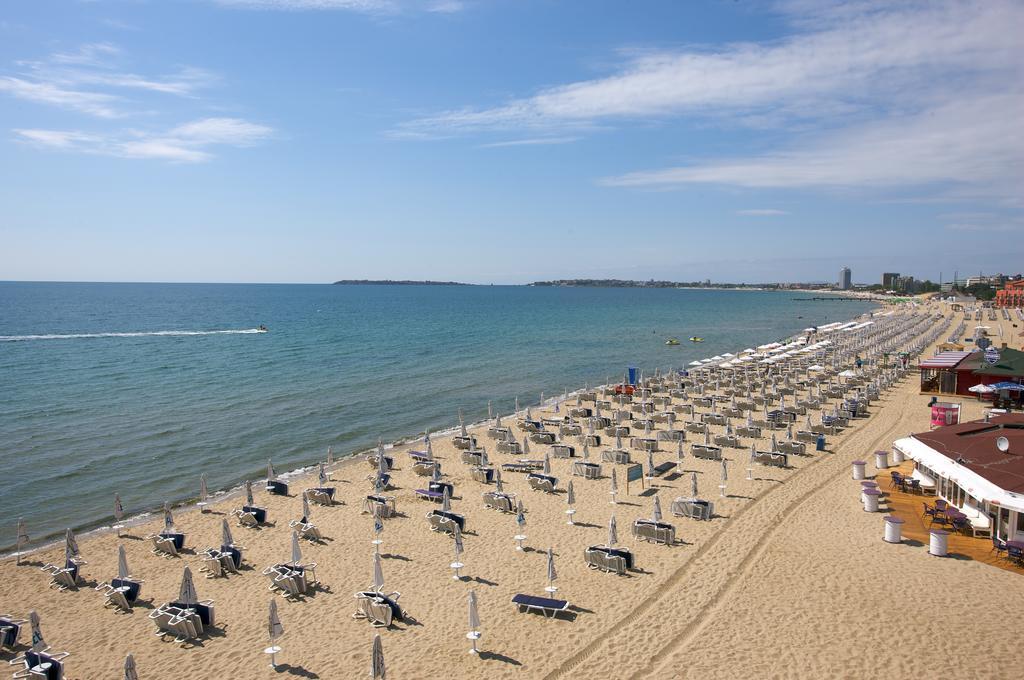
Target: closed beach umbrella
(647, 428)
(484, 462)
(187, 592)
(615, 483)
(22, 539)
(271, 475)
(753, 453)
(38, 644)
(707, 436)
(497, 481)
(516, 410)
(497, 420)
(459, 547)
(552, 574)
(70, 545)
(693, 485)
(529, 416)
(305, 508)
(248, 493)
(274, 627)
(618, 440)
(168, 517)
(679, 452)
(570, 495)
(520, 515)
(725, 472)
(377, 670)
(435, 476)
(613, 532)
(446, 501)
(122, 563)
(547, 463)
(490, 410)
(429, 446)
(330, 456)
(474, 615)
(382, 465)
(656, 515)
(526, 446)
(590, 426)
(225, 534)
(129, 668)
(322, 475)
(118, 508)
(650, 464)
(203, 491)
(378, 574)
(378, 524)
(586, 451)
(296, 551)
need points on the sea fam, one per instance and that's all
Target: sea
(137, 388)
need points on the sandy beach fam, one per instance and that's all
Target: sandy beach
(791, 579)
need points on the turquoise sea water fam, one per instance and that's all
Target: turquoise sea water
(129, 398)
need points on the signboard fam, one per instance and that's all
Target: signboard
(633, 473)
(944, 414)
(982, 342)
(992, 355)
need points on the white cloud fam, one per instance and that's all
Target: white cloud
(188, 143)
(532, 141)
(761, 212)
(446, 6)
(88, 81)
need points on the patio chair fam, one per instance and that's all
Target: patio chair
(998, 545)
(10, 629)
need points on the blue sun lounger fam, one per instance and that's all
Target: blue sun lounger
(55, 670)
(277, 487)
(10, 628)
(435, 496)
(545, 605)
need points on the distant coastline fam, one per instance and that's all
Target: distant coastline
(389, 282)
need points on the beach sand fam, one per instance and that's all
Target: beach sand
(791, 580)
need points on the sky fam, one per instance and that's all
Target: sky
(509, 141)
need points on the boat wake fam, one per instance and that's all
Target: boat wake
(140, 334)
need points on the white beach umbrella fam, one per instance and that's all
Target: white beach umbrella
(614, 485)
(378, 574)
(474, 620)
(459, 547)
(490, 410)
(529, 416)
(296, 550)
(249, 500)
(70, 545)
(693, 485)
(271, 475)
(38, 643)
(446, 501)
(497, 420)
(552, 574)
(377, 670)
(462, 422)
(650, 464)
(526, 445)
(429, 446)
(586, 451)
(378, 527)
(382, 464)
(321, 475)
(656, 514)
(520, 515)
(484, 462)
(168, 517)
(516, 409)
(330, 456)
(570, 495)
(204, 493)
(226, 539)
(435, 476)
(725, 471)
(118, 508)
(679, 452)
(497, 480)
(122, 564)
(547, 463)
(129, 668)
(274, 628)
(22, 537)
(618, 440)
(187, 591)
(613, 532)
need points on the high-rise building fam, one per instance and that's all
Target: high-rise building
(889, 280)
(845, 278)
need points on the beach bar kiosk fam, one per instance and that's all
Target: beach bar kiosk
(939, 374)
(978, 468)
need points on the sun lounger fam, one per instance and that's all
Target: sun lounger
(771, 459)
(806, 436)
(543, 437)
(602, 561)
(507, 447)
(277, 487)
(472, 457)
(530, 425)
(546, 605)
(617, 456)
(693, 508)
(586, 469)
(706, 452)
(523, 466)
(381, 480)
(463, 443)
(306, 530)
(63, 578)
(385, 505)
(570, 430)
(379, 609)
(792, 448)
(40, 665)
(541, 482)
(662, 468)
(616, 431)
(177, 622)
(287, 579)
(424, 468)
(321, 495)
(484, 475)
(499, 433)
(696, 428)
(445, 521)
(563, 451)
(251, 515)
(10, 629)
(121, 593)
(655, 532)
(500, 501)
(389, 462)
(644, 443)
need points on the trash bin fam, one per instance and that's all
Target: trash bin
(865, 485)
(871, 499)
(938, 544)
(897, 456)
(858, 469)
(881, 460)
(893, 529)
(821, 442)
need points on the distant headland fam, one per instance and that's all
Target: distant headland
(389, 282)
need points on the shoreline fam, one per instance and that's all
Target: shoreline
(189, 504)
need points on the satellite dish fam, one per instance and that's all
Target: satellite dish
(1003, 444)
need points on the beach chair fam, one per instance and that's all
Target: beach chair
(499, 501)
(231, 557)
(470, 458)
(602, 561)
(45, 665)
(424, 468)
(306, 530)
(655, 532)
(427, 494)
(277, 487)
(121, 593)
(63, 578)
(539, 482)
(509, 447)
(10, 629)
(321, 495)
(543, 437)
(545, 605)
(163, 545)
(385, 505)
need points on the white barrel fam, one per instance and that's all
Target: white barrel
(893, 529)
(881, 460)
(938, 544)
(871, 499)
(897, 456)
(858, 469)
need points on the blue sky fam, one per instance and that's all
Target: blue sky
(507, 141)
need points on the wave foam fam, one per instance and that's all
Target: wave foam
(139, 334)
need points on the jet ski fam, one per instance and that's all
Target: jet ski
(672, 341)
(696, 339)
(261, 329)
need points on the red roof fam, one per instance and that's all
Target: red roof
(973, 445)
(944, 360)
